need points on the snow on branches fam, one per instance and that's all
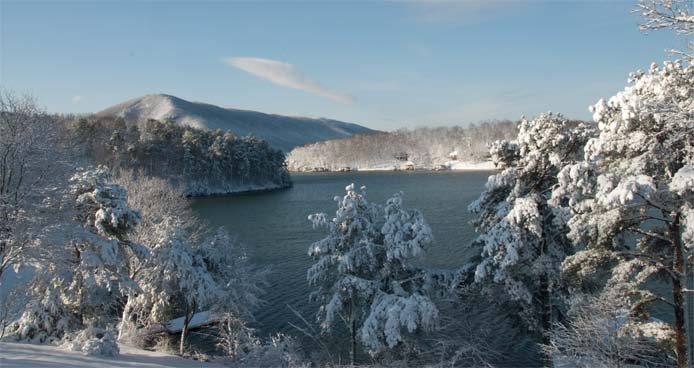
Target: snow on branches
(105, 205)
(363, 270)
(522, 243)
(629, 201)
(83, 287)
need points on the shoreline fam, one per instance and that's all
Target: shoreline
(239, 192)
(447, 166)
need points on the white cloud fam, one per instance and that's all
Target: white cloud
(287, 75)
(77, 98)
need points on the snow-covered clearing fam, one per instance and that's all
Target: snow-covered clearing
(46, 356)
(471, 166)
(450, 165)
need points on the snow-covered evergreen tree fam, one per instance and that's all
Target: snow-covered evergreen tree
(364, 272)
(174, 281)
(85, 286)
(631, 199)
(100, 277)
(522, 244)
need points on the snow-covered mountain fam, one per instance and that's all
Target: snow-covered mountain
(283, 132)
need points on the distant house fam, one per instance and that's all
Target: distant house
(401, 156)
(453, 155)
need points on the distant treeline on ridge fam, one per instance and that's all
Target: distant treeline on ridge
(423, 147)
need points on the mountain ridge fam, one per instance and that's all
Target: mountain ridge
(280, 131)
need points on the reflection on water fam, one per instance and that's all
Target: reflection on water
(277, 233)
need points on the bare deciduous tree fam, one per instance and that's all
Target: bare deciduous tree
(668, 14)
(672, 14)
(598, 334)
(28, 138)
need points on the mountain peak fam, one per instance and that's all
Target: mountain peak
(283, 132)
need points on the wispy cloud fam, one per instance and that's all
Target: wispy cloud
(287, 75)
(77, 98)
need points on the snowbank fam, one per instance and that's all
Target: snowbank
(199, 320)
(450, 165)
(471, 166)
(387, 167)
(13, 355)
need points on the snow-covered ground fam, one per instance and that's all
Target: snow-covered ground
(450, 165)
(15, 355)
(471, 166)
(403, 166)
(386, 167)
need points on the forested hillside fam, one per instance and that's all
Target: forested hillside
(281, 132)
(204, 162)
(424, 147)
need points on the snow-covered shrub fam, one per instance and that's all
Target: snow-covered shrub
(93, 341)
(235, 338)
(174, 281)
(364, 271)
(278, 351)
(181, 278)
(46, 318)
(243, 348)
(599, 333)
(477, 329)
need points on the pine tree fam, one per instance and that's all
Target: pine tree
(522, 244)
(631, 198)
(364, 273)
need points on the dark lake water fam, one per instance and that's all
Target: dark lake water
(275, 229)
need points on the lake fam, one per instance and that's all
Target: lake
(275, 229)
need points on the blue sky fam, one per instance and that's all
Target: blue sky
(385, 65)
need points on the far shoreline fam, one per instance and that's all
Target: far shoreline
(451, 166)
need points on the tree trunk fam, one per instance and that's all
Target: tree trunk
(354, 342)
(546, 306)
(678, 295)
(353, 333)
(123, 321)
(189, 313)
(184, 331)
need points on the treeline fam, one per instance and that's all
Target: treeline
(203, 162)
(425, 147)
